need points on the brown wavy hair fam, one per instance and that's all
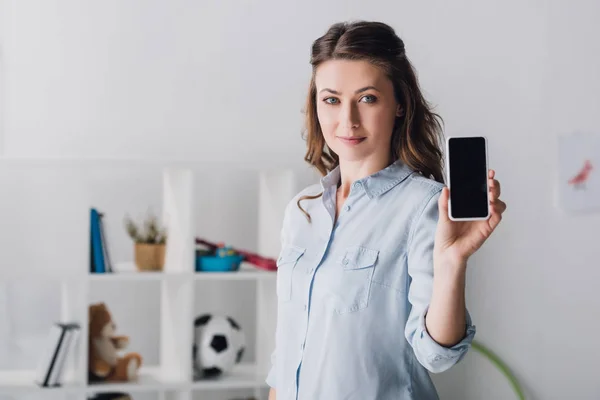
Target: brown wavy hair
(417, 136)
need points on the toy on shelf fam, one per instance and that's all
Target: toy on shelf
(103, 345)
(220, 259)
(219, 344)
(257, 260)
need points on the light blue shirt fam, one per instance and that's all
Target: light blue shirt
(352, 295)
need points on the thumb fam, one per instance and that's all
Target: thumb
(443, 204)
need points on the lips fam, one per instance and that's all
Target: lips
(351, 140)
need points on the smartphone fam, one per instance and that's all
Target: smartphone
(467, 166)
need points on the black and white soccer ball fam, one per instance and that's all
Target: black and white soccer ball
(219, 344)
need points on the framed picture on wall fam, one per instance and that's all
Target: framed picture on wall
(578, 185)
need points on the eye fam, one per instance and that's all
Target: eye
(368, 99)
(331, 100)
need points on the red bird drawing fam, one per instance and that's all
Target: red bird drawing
(582, 176)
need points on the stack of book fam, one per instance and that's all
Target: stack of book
(99, 257)
(61, 342)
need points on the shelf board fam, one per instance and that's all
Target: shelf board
(150, 379)
(243, 376)
(19, 381)
(246, 272)
(242, 274)
(137, 276)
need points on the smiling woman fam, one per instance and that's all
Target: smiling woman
(380, 92)
(364, 100)
(371, 275)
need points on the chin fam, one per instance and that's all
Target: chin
(351, 155)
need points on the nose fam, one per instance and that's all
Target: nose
(350, 118)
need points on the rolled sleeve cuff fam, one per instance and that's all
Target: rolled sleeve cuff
(435, 357)
(271, 377)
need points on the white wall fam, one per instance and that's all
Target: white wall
(225, 81)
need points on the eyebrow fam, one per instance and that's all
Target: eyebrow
(356, 92)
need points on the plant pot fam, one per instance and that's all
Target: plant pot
(149, 257)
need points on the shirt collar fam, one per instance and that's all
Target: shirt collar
(375, 184)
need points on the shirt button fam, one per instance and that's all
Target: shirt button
(357, 185)
(347, 208)
(345, 261)
(305, 307)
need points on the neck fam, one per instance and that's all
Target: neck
(351, 171)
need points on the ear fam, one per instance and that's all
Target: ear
(399, 111)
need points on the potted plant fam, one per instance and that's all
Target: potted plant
(150, 242)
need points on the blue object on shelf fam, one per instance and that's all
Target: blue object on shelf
(97, 252)
(218, 264)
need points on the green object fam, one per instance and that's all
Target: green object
(501, 366)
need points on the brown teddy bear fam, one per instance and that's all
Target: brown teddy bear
(103, 346)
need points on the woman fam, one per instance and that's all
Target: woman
(371, 275)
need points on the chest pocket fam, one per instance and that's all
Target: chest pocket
(286, 264)
(356, 274)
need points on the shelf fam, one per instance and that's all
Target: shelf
(149, 379)
(177, 293)
(243, 376)
(246, 272)
(136, 276)
(234, 276)
(14, 382)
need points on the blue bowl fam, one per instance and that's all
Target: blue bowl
(218, 264)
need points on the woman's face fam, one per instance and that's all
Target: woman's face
(356, 108)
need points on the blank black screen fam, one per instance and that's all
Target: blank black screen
(468, 177)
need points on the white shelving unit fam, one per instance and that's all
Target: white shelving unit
(172, 377)
(174, 374)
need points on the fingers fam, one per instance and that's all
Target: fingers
(443, 204)
(497, 206)
(494, 220)
(497, 209)
(494, 185)
(494, 189)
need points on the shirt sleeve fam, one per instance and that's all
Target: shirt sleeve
(271, 375)
(433, 356)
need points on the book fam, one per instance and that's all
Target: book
(104, 241)
(72, 335)
(97, 251)
(60, 342)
